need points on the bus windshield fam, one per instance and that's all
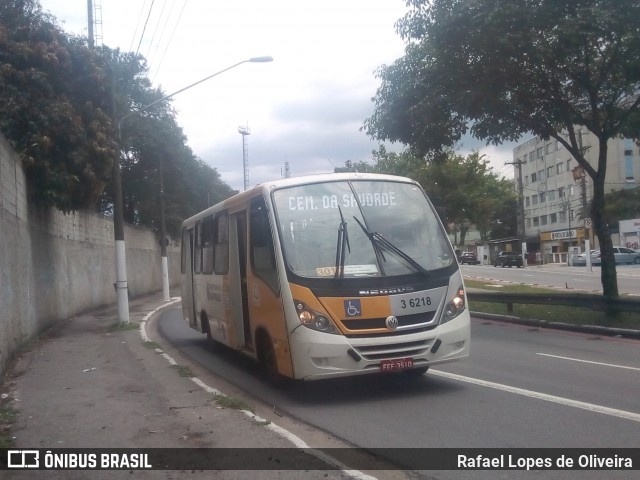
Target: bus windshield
(361, 228)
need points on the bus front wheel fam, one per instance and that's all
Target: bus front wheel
(266, 354)
(268, 361)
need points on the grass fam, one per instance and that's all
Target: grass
(229, 402)
(183, 371)
(8, 417)
(551, 313)
(118, 326)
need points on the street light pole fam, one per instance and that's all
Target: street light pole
(118, 217)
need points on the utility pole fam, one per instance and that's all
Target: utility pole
(90, 24)
(94, 23)
(122, 288)
(244, 131)
(118, 217)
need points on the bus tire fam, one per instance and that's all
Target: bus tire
(268, 361)
(266, 354)
(204, 322)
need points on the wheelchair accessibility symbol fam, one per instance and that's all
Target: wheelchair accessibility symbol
(352, 308)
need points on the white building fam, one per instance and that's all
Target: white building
(555, 191)
(630, 233)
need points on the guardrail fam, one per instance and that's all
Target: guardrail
(594, 302)
(611, 306)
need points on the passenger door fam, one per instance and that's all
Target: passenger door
(188, 300)
(238, 279)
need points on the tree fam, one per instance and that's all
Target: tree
(149, 139)
(54, 107)
(622, 205)
(57, 101)
(500, 69)
(463, 190)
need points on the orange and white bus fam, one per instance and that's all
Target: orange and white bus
(327, 276)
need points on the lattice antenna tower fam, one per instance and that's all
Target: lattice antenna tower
(244, 131)
(94, 23)
(286, 171)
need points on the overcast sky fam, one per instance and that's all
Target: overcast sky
(305, 108)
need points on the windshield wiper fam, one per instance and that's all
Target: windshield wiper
(343, 241)
(378, 242)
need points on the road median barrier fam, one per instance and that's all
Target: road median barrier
(611, 307)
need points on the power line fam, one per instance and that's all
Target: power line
(155, 30)
(137, 23)
(170, 41)
(164, 27)
(145, 25)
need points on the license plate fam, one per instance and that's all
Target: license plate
(397, 364)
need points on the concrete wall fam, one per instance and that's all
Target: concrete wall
(53, 266)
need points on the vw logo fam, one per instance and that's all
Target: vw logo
(391, 322)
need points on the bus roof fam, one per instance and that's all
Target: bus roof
(294, 181)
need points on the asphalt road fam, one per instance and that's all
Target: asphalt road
(559, 276)
(521, 387)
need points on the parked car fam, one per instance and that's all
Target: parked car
(621, 254)
(508, 259)
(581, 259)
(468, 258)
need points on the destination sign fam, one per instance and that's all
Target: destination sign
(347, 200)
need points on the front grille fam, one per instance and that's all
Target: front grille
(414, 320)
(394, 333)
(395, 350)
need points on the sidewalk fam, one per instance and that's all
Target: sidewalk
(84, 384)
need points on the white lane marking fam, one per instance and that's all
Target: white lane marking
(589, 361)
(543, 396)
(283, 432)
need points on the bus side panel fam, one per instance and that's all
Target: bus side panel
(217, 308)
(267, 312)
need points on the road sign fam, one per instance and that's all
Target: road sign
(587, 223)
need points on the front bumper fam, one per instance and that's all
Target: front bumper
(318, 355)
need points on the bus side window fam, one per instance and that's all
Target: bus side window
(221, 250)
(197, 267)
(263, 261)
(207, 245)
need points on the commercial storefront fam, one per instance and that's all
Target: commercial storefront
(556, 245)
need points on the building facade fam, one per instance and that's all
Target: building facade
(554, 191)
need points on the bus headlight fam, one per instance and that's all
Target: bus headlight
(315, 320)
(454, 307)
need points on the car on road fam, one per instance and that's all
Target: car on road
(621, 254)
(508, 259)
(468, 258)
(581, 259)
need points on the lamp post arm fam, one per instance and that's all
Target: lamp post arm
(167, 97)
(118, 221)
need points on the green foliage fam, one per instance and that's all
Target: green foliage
(57, 102)
(500, 69)
(622, 205)
(53, 106)
(463, 190)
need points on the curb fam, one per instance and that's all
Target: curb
(594, 329)
(296, 441)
